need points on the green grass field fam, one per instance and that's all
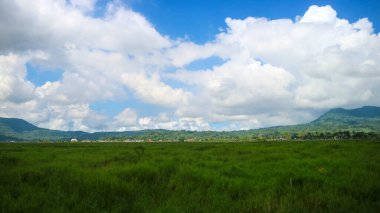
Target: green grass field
(190, 177)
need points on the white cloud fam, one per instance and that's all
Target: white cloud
(239, 88)
(94, 53)
(315, 14)
(48, 24)
(318, 62)
(364, 25)
(152, 90)
(275, 71)
(13, 86)
(85, 5)
(125, 120)
(188, 123)
(186, 52)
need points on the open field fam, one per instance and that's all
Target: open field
(190, 177)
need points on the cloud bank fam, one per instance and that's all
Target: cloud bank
(274, 72)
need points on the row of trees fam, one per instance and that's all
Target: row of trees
(340, 135)
(246, 136)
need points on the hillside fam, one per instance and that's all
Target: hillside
(16, 125)
(14, 129)
(365, 119)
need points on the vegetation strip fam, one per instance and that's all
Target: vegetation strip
(332, 176)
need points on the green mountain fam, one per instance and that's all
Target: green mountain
(364, 120)
(16, 125)
(14, 129)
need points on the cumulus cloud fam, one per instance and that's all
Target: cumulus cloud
(187, 52)
(85, 5)
(94, 54)
(315, 14)
(49, 24)
(13, 86)
(277, 66)
(274, 71)
(126, 119)
(163, 122)
(152, 90)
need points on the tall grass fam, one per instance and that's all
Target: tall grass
(190, 177)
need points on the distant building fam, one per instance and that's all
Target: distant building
(74, 140)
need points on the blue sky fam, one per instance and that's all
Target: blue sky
(137, 64)
(201, 20)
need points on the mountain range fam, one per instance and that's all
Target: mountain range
(365, 119)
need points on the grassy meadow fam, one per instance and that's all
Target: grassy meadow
(324, 176)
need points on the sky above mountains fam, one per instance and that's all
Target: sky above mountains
(198, 65)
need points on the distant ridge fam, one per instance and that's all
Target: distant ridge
(15, 129)
(364, 119)
(365, 112)
(17, 125)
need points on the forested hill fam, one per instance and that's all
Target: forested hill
(334, 122)
(366, 119)
(14, 129)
